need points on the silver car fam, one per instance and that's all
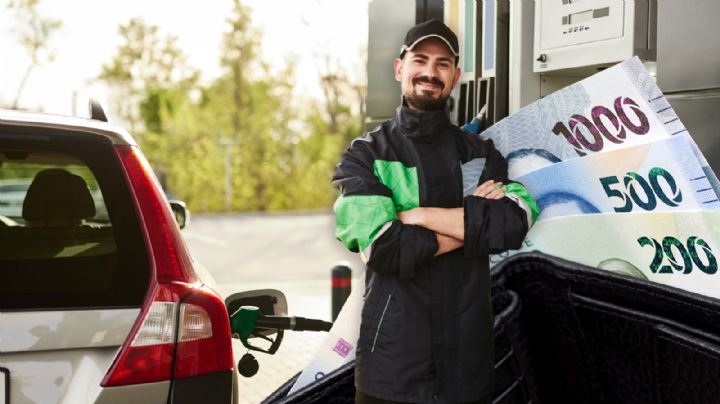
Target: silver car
(100, 301)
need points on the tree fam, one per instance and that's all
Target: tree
(241, 143)
(34, 33)
(344, 97)
(148, 72)
(240, 44)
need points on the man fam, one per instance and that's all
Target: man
(411, 205)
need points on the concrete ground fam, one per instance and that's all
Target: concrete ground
(291, 252)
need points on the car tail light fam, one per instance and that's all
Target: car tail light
(183, 329)
(200, 350)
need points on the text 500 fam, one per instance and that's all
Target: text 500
(651, 191)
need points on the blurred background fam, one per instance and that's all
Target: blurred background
(242, 108)
(239, 105)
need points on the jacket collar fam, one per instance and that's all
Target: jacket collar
(423, 126)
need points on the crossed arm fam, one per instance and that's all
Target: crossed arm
(449, 223)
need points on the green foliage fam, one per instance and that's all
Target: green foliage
(149, 73)
(239, 143)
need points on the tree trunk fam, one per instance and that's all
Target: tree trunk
(21, 87)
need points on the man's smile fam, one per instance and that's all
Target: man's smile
(424, 83)
(428, 86)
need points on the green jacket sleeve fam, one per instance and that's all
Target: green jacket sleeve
(494, 226)
(366, 218)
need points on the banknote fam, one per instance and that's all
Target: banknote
(338, 347)
(616, 108)
(678, 249)
(620, 107)
(657, 176)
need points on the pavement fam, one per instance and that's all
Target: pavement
(291, 252)
(309, 299)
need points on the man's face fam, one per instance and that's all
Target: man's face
(427, 74)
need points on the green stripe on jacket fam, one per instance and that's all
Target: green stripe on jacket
(358, 218)
(402, 181)
(519, 190)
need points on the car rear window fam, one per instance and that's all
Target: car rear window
(69, 233)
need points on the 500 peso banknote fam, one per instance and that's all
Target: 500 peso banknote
(658, 176)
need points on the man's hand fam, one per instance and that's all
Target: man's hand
(412, 216)
(449, 221)
(490, 190)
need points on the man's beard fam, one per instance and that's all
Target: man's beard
(424, 100)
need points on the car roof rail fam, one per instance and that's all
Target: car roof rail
(96, 111)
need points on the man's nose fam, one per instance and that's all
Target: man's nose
(431, 70)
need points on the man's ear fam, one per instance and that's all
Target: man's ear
(458, 74)
(398, 68)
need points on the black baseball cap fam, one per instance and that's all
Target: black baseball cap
(431, 28)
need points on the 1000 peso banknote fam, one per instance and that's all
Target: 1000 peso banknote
(659, 176)
(616, 108)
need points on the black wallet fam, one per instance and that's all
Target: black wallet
(568, 333)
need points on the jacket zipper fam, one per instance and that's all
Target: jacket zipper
(377, 332)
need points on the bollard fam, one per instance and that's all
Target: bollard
(341, 286)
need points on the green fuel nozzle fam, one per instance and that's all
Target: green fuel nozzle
(247, 322)
(242, 322)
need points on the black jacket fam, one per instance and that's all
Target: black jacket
(426, 333)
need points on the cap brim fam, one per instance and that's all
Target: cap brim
(422, 38)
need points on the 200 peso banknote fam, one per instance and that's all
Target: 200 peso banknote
(678, 249)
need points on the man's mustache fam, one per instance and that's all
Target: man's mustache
(432, 80)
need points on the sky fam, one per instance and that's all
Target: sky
(300, 29)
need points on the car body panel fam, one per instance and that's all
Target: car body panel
(112, 132)
(61, 356)
(150, 393)
(28, 331)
